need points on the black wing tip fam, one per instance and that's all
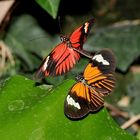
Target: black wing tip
(106, 51)
(71, 115)
(74, 113)
(108, 54)
(76, 117)
(111, 56)
(92, 20)
(39, 75)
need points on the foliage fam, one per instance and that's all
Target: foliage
(32, 112)
(35, 112)
(51, 6)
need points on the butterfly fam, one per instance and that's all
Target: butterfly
(65, 55)
(97, 81)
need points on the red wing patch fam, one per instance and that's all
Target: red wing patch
(64, 56)
(59, 61)
(79, 36)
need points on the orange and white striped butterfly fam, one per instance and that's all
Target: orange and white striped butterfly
(96, 82)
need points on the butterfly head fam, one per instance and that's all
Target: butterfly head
(64, 38)
(81, 79)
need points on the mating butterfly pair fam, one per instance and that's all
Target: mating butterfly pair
(96, 81)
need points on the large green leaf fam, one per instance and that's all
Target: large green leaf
(51, 6)
(30, 112)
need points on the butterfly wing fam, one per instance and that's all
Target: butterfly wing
(63, 57)
(59, 61)
(79, 36)
(86, 95)
(99, 73)
(81, 100)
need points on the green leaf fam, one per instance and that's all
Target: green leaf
(51, 6)
(30, 112)
(123, 40)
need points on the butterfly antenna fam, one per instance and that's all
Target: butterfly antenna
(60, 27)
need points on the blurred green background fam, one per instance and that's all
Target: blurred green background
(30, 30)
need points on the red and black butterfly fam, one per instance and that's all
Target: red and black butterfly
(96, 82)
(65, 55)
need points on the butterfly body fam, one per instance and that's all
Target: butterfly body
(96, 82)
(64, 56)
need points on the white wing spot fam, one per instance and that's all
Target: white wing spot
(86, 27)
(70, 101)
(100, 58)
(46, 63)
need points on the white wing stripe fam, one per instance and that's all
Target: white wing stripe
(71, 101)
(100, 58)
